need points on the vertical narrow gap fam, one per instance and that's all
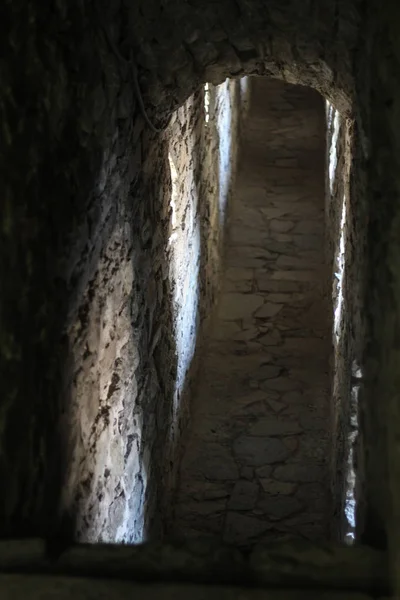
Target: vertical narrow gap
(338, 172)
(206, 102)
(173, 199)
(339, 273)
(350, 501)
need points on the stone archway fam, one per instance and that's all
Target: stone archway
(192, 43)
(71, 119)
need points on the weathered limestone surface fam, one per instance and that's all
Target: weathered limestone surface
(343, 236)
(134, 335)
(110, 308)
(257, 460)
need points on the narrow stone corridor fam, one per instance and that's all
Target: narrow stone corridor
(256, 465)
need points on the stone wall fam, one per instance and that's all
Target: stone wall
(377, 222)
(204, 42)
(84, 237)
(70, 116)
(343, 413)
(135, 332)
(383, 305)
(71, 152)
(359, 426)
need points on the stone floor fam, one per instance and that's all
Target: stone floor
(257, 459)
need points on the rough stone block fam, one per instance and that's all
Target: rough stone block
(280, 384)
(295, 472)
(268, 310)
(274, 427)
(278, 488)
(277, 508)
(258, 451)
(242, 529)
(244, 496)
(238, 306)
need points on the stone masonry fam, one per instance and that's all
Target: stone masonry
(76, 149)
(257, 456)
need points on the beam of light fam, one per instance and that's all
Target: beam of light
(207, 102)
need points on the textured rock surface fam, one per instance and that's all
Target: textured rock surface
(139, 321)
(263, 395)
(347, 329)
(108, 361)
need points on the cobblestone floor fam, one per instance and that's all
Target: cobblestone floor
(256, 462)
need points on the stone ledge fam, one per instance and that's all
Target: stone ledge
(31, 587)
(280, 565)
